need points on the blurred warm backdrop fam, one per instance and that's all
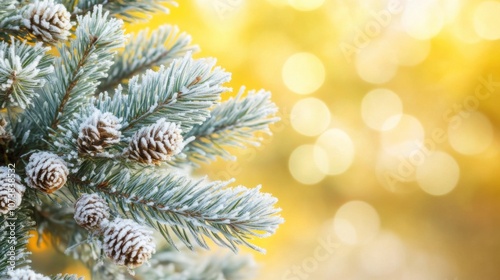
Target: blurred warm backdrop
(387, 159)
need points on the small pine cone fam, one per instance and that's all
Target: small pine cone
(156, 143)
(48, 20)
(97, 132)
(11, 190)
(128, 243)
(25, 273)
(5, 136)
(46, 172)
(91, 211)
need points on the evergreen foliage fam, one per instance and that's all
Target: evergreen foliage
(117, 119)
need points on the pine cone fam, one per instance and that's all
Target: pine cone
(46, 172)
(48, 20)
(11, 190)
(128, 243)
(156, 143)
(5, 136)
(97, 132)
(25, 273)
(91, 211)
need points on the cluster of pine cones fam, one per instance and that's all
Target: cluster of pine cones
(124, 241)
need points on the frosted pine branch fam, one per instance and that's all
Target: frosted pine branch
(10, 19)
(80, 67)
(69, 145)
(181, 93)
(232, 123)
(191, 210)
(66, 277)
(127, 10)
(23, 69)
(146, 51)
(55, 222)
(24, 273)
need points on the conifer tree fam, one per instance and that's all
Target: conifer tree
(99, 131)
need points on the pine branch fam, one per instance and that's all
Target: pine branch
(145, 52)
(109, 271)
(15, 232)
(80, 67)
(128, 10)
(10, 20)
(231, 123)
(181, 93)
(23, 69)
(56, 221)
(94, 151)
(191, 210)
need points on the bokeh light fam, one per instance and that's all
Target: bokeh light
(439, 173)
(470, 135)
(381, 109)
(403, 138)
(423, 19)
(310, 116)
(353, 127)
(303, 73)
(334, 152)
(302, 167)
(356, 222)
(394, 171)
(375, 63)
(410, 51)
(487, 21)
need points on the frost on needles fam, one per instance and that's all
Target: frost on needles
(97, 132)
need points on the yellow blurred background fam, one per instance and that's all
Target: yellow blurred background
(385, 162)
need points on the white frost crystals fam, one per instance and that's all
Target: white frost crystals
(25, 273)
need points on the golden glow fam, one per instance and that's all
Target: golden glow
(410, 51)
(334, 152)
(303, 73)
(278, 2)
(403, 79)
(302, 167)
(393, 172)
(386, 244)
(310, 116)
(487, 21)
(473, 135)
(306, 5)
(269, 50)
(381, 109)
(439, 174)
(375, 63)
(356, 222)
